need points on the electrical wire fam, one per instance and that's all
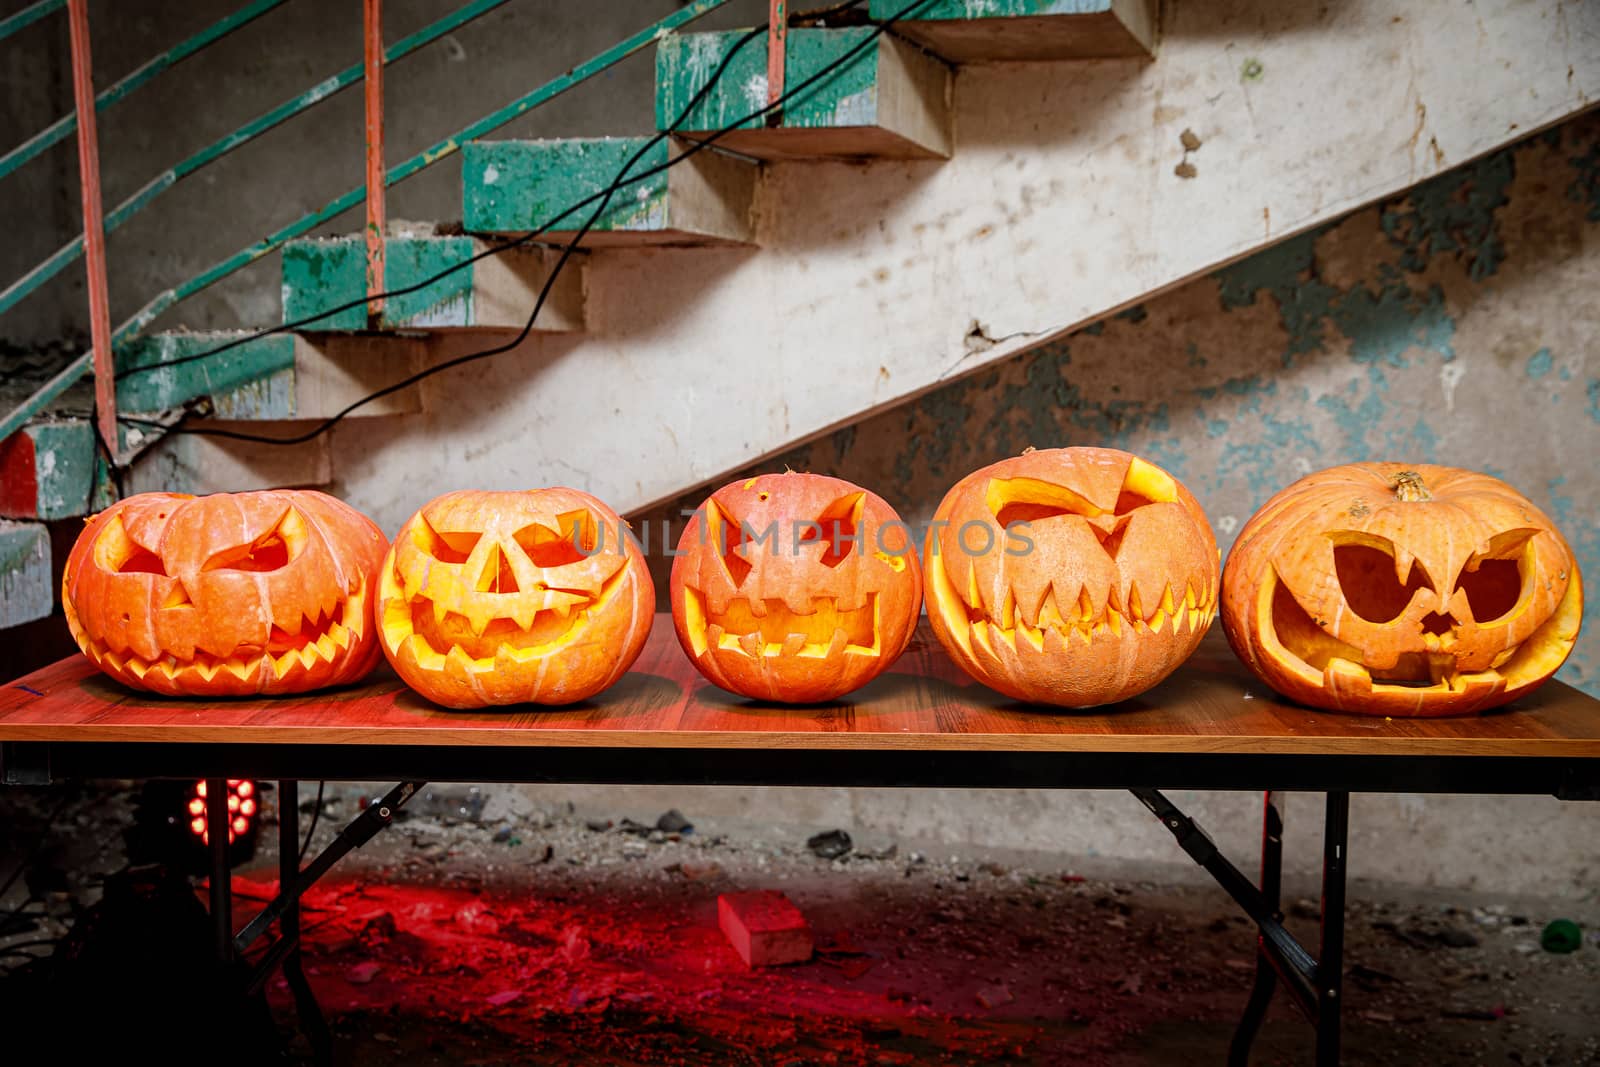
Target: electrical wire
(529, 238)
(620, 181)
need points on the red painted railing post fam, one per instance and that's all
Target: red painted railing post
(94, 233)
(777, 36)
(372, 27)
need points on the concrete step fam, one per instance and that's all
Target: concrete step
(976, 31)
(49, 469)
(890, 102)
(274, 378)
(515, 187)
(27, 591)
(492, 295)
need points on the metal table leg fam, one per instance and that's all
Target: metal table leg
(1330, 962)
(1266, 981)
(312, 1023)
(217, 819)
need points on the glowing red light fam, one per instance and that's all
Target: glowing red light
(205, 836)
(247, 807)
(240, 824)
(197, 806)
(245, 788)
(198, 825)
(233, 802)
(200, 789)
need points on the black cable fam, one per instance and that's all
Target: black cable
(517, 242)
(566, 253)
(316, 813)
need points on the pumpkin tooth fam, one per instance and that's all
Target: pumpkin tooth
(1135, 604)
(1008, 610)
(752, 644)
(1189, 600)
(792, 644)
(524, 614)
(1007, 636)
(1033, 635)
(1114, 621)
(1086, 612)
(1404, 560)
(973, 598)
(1195, 616)
(1167, 606)
(1049, 616)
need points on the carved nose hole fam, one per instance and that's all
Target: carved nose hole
(497, 575)
(1110, 540)
(1436, 624)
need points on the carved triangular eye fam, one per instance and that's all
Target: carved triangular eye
(1493, 578)
(1377, 579)
(271, 551)
(575, 541)
(445, 547)
(837, 527)
(726, 533)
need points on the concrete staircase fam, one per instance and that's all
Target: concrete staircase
(930, 209)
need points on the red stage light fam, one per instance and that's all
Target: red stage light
(241, 808)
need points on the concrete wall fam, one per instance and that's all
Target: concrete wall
(1454, 324)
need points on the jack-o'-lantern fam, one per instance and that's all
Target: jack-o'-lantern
(536, 596)
(226, 595)
(1070, 576)
(1405, 591)
(795, 588)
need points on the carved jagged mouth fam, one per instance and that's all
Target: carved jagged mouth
(1291, 634)
(325, 639)
(523, 633)
(1082, 624)
(776, 630)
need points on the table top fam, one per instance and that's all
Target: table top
(924, 702)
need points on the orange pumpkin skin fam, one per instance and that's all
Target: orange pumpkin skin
(233, 594)
(1386, 589)
(805, 613)
(533, 596)
(1105, 590)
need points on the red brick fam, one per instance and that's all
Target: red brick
(764, 928)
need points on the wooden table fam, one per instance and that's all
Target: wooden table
(924, 723)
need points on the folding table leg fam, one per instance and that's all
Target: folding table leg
(1330, 961)
(1266, 980)
(217, 819)
(312, 1023)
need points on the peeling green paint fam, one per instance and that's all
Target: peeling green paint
(323, 274)
(518, 186)
(1539, 364)
(173, 385)
(27, 591)
(988, 9)
(684, 62)
(1453, 212)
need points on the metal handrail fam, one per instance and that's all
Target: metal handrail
(443, 149)
(67, 124)
(67, 254)
(29, 15)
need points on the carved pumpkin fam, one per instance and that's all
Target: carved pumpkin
(509, 597)
(226, 595)
(1070, 576)
(1394, 590)
(795, 588)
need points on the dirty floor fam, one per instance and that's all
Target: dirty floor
(539, 937)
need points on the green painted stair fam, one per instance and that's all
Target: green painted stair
(976, 31)
(493, 294)
(891, 101)
(27, 589)
(48, 469)
(516, 187)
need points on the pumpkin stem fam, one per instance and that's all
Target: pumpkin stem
(1407, 485)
